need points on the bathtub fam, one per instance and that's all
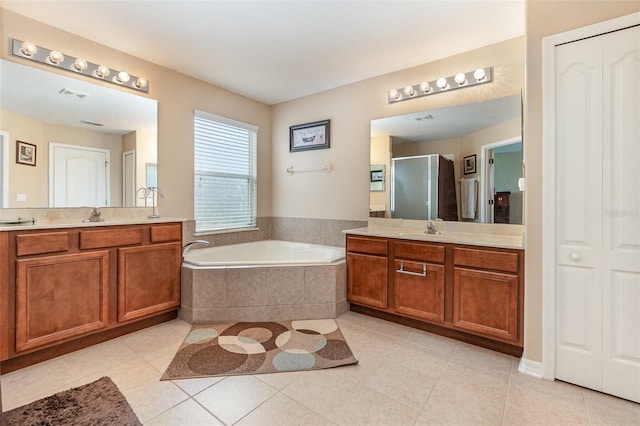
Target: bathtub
(264, 253)
(263, 281)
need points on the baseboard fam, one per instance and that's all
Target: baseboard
(531, 368)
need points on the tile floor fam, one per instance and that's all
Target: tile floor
(405, 377)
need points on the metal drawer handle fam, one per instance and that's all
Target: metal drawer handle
(402, 271)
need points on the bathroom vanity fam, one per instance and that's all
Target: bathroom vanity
(67, 287)
(464, 285)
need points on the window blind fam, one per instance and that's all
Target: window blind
(225, 173)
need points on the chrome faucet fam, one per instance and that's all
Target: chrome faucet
(431, 229)
(187, 246)
(95, 216)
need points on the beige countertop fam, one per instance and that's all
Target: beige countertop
(74, 218)
(486, 235)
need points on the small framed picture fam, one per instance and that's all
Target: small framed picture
(25, 153)
(377, 175)
(469, 164)
(303, 137)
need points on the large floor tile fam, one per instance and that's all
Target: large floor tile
(194, 386)
(153, 398)
(481, 358)
(282, 410)
(187, 413)
(432, 341)
(234, 397)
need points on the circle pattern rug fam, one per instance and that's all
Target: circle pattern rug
(227, 349)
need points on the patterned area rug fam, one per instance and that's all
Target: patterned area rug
(259, 347)
(98, 403)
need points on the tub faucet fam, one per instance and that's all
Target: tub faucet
(431, 229)
(187, 246)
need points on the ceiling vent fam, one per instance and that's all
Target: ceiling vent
(426, 117)
(92, 123)
(69, 92)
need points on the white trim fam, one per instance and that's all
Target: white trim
(6, 141)
(131, 152)
(530, 368)
(482, 199)
(549, 178)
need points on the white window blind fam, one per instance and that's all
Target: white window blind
(225, 173)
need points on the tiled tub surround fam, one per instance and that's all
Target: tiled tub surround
(263, 293)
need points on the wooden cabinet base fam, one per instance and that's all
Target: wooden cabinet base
(31, 358)
(505, 348)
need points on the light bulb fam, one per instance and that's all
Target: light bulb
(424, 86)
(55, 57)
(442, 83)
(394, 95)
(79, 65)
(479, 74)
(409, 91)
(141, 83)
(460, 78)
(28, 49)
(102, 71)
(122, 77)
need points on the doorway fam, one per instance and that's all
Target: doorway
(78, 176)
(4, 169)
(501, 170)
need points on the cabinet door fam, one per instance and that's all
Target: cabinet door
(419, 290)
(59, 297)
(367, 280)
(148, 280)
(486, 303)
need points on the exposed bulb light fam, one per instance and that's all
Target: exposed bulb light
(42, 55)
(122, 77)
(479, 74)
(442, 83)
(28, 49)
(409, 91)
(141, 83)
(79, 65)
(102, 71)
(55, 57)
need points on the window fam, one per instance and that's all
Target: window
(225, 173)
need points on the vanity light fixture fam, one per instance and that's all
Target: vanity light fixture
(457, 81)
(55, 58)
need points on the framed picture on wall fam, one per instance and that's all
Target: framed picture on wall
(25, 153)
(303, 137)
(469, 164)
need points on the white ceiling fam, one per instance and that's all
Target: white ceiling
(274, 51)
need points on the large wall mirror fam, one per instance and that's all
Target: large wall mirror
(461, 163)
(70, 143)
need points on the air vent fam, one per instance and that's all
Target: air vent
(69, 92)
(426, 117)
(92, 123)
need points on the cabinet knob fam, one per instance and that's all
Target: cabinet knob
(575, 256)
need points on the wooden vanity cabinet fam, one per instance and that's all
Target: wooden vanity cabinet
(418, 280)
(470, 293)
(69, 286)
(367, 270)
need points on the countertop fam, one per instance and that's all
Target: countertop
(470, 235)
(50, 224)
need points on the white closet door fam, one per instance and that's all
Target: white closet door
(621, 225)
(579, 212)
(598, 205)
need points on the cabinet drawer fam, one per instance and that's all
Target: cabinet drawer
(163, 233)
(110, 238)
(426, 252)
(367, 245)
(486, 259)
(50, 242)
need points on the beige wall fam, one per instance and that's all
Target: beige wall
(545, 18)
(381, 154)
(177, 96)
(344, 194)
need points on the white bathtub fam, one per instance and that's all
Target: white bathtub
(263, 281)
(264, 253)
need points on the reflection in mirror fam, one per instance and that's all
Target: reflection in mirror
(92, 142)
(460, 163)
